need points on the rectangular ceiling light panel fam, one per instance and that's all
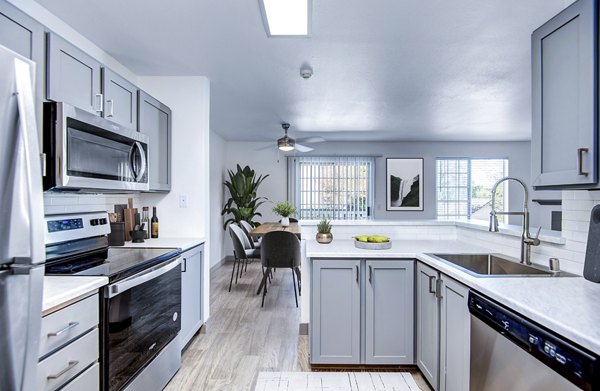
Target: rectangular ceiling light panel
(285, 17)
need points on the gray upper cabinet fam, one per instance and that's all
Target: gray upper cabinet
(120, 99)
(455, 336)
(565, 101)
(25, 36)
(191, 294)
(73, 76)
(389, 318)
(335, 312)
(154, 120)
(428, 321)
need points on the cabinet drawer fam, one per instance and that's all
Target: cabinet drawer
(88, 380)
(65, 325)
(60, 367)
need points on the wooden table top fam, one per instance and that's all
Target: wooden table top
(270, 227)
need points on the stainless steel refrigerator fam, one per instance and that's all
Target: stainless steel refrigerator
(21, 225)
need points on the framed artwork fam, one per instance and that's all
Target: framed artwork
(404, 184)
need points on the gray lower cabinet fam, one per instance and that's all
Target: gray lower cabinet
(120, 99)
(362, 312)
(72, 76)
(335, 312)
(191, 293)
(443, 330)
(428, 323)
(565, 101)
(25, 36)
(455, 334)
(389, 317)
(154, 120)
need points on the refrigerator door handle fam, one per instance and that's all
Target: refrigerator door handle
(28, 138)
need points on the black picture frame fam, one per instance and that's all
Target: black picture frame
(400, 171)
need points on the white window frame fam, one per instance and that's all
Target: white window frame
(334, 213)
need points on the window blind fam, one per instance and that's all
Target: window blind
(337, 187)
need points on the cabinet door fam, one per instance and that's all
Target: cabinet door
(335, 312)
(155, 121)
(191, 294)
(25, 36)
(455, 336)
(428, 323)
(73, 76)
(120, 99)
(389, 312)
(564, 77)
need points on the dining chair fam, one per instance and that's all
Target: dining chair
(247, 227)
(242, 252)
(280, 249)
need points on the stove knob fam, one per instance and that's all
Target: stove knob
(103, 221)
(94, 222)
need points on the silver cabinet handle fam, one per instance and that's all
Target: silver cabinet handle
(111, 108)
(431, 281)
(99, 103)
(72, 364)
(128, 283)
(184, 265)
(357, 273)
(370, 274)
(438, 289)
(580, 153)
(70, 326)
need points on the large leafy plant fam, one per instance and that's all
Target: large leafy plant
(243, 203)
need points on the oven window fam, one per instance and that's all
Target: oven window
(140, 322)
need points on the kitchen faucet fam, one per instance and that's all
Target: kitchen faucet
(526, 240)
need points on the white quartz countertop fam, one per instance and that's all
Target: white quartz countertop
(176, 242)
(570, 306)
(59, 290)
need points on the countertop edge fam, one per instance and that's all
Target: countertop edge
(59, 290)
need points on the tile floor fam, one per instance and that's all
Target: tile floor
(335, 381)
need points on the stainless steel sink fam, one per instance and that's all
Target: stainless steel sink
(495, 265)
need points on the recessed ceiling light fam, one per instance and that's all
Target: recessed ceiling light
(286, 17)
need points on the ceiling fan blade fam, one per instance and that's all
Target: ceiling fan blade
(310, 140)
(265, 147)
(302, 148)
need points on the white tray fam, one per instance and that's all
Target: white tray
(373, 246)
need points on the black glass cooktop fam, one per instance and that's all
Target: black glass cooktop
(116, 263)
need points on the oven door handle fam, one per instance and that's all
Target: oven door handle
(138, 279)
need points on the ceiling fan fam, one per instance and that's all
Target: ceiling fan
(286, 143)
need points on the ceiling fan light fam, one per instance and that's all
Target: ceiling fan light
(286, 144)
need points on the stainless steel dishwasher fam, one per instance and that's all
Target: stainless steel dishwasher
(510, 352)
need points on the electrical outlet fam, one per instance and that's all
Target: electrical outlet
(183, 201)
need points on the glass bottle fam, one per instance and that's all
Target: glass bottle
(154, 224)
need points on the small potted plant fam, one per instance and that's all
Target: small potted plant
(324, 235)
(284, 209)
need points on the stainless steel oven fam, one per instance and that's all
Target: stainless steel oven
(140, 327)
(86, 152)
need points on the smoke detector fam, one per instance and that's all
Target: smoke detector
(306, 73)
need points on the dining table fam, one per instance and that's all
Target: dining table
(264, 228)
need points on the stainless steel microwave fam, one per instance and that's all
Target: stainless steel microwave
(88, 153)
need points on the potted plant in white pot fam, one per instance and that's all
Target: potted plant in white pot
(284, 209)
(324, 235)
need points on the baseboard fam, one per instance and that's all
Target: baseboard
(227, 258)
(303, 329)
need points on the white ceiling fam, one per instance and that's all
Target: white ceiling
(383, 69)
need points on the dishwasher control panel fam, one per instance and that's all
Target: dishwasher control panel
(577, 364)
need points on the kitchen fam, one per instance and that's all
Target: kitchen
(435, 99)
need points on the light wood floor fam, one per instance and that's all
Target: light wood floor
(242, 339)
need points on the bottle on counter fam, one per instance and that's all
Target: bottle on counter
(146, 221)
(154, 224)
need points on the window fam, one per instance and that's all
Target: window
(464, 187)
(339, 187)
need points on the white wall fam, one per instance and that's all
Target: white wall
(217, 175)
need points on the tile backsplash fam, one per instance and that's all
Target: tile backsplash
(56, 203)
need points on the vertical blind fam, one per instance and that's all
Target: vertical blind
(336, 187)
(464, 187)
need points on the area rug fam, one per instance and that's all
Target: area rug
(335, 381)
